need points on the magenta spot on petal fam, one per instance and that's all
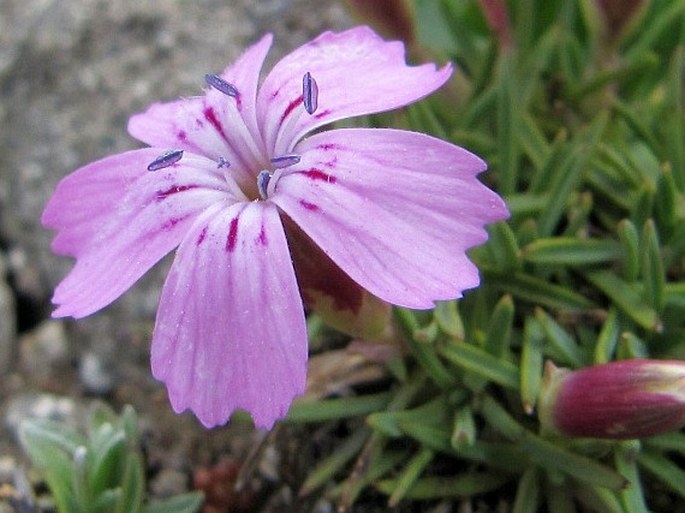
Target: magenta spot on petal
(232, 238)
(329, 146)
(182, 136)
(322, 114)
(317, 174)
(210, 116)
(170, 224)
(262, 237)
(162, 195)
(291, 107)
(201, 237)
(309, 206)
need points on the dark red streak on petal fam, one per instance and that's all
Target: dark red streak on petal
(169, 224)
(210, 116)
(322, 114)
(162, 195)
(201, 237)
(262, 237)
(329, 146)
(291, 107)
(317, 174)
(232, 238)
(309, 206)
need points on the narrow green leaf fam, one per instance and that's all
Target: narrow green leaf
(463, 428)
(664, 470)
(349, 490)
(132, 486)
(561, 345)
(630, 240)
(538, 291)
(571, 251)
(410, 474)
(339, 408)
(636, 124)
(498, 336)
(532, 140)
(423, 352)
(607, 338)
(597, 498)
(626, 297)
(466, 485)
(675, 121)
(661, 24)
(578, 217)
(645, 63)
(106, 501)
(632, 495)
(51, 446)
(331, 465)
(508, 106)
(631, 346)
(482, 364)
(563, 182)
(528, 204)
(569, 174)
(673, 441)
(448, 319)
(651, 267)
(527, 498)
(184, 503)
(559, 498)
(644, 205)
(107, 463)
(503, 248)
(531, 364)
(665, 205)
(433, 412)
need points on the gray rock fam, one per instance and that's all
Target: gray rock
(45, 353)
(8, 328)
(41, 406)
(95, 373)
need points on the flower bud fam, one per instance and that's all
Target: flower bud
(333, 295)
(620, 400)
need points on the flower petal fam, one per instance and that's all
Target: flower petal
(396, 210)
(214, 125)
(356, 72)
(230, 329)
(118, 220)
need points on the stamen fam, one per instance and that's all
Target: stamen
(222, 162)
(263, 179)
(285, 161)
(310, 93)
(221, 85)
(166, 159)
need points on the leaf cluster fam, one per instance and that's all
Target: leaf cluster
(101, 471)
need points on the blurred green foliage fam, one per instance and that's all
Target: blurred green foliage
(99, 472)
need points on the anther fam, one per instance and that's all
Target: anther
(310, 93)
(221, 85)
(222, 162)
(166, 159)
(285, 161)
(263, 179)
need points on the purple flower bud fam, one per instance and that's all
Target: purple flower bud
(620, 400)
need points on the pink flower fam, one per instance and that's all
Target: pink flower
(229, 174)
(620, 400)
